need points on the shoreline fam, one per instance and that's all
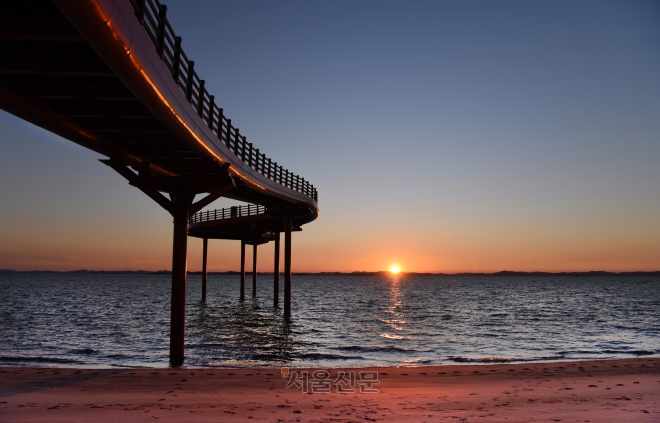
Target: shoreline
(457, 361)
(586, 390)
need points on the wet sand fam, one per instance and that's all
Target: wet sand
(586, 391)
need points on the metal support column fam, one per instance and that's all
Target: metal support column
(179, 269)
(254, 270)
(287, 267)
(204, 273)
(242, 270)
(276, 272)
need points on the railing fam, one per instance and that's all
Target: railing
(235, 211)
(152, 15)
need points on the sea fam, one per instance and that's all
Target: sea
(122, 320)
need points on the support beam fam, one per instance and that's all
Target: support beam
(242, 270)
(287, 267)
(178, 306)
(254, 271)
(204, 272)
(276, 272)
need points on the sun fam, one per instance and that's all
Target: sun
(395, 269)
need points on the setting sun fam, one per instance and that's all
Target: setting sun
(394, 269)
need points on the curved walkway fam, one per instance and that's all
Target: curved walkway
(111, 75)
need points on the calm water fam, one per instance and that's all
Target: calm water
(123, 320)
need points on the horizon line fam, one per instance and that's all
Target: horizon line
(351, 273)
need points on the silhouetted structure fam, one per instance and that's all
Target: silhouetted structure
(111, 75)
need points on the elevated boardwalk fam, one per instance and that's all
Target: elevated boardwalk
(111, 75)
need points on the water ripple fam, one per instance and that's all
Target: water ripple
(123, 320)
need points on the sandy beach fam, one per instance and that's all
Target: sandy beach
(626, 390)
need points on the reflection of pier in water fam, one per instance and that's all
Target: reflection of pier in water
(238, 332)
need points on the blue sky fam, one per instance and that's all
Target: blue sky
(446, 136)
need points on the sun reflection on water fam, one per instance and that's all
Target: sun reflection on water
(396, 317)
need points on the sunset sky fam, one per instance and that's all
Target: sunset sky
(443, 136)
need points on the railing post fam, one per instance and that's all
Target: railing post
(139, 11)
(238, 137)
(220, 119)
(160, 37)
(189, 83)
(211, 105)
(229, 136)
(200, 102)
(176, 63)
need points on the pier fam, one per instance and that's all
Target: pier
(112, 76)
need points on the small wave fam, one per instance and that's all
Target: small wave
(502, 359)
(482, 360)
(271, 357)
(417, 362)
(372, 349)
(393, 321)
(634, 352)
(389, 336)
(85, 351)
(130, 366)
(119, 356)
(321, 356)
(38, 360)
